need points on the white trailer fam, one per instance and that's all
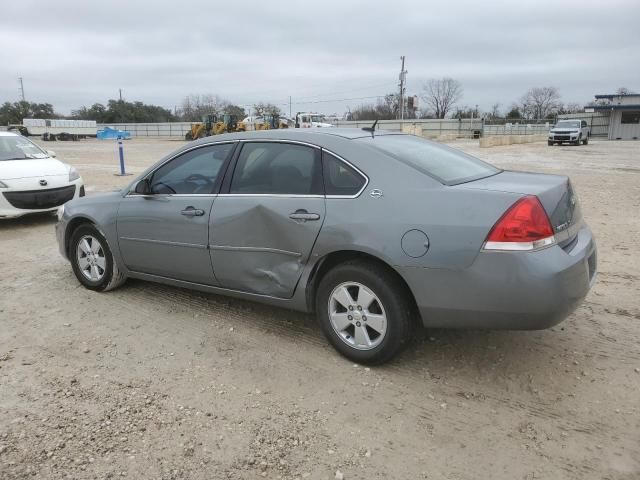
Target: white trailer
(60, 129)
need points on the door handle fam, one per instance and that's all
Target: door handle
(192, 212)
(304, 216)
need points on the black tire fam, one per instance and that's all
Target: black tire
(112, 276)
(550, 143)
(586, 141)
(396, 302)
(579, 141)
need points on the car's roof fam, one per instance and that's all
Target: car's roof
(311, 135)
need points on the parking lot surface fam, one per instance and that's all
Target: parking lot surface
(151, 381)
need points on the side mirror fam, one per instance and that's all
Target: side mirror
(143, 187)
(51, 153)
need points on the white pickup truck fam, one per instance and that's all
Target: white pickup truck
(570, 131)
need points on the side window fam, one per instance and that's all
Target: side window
(194, 172)
(277, 168)
(584, 124)
(340, 178)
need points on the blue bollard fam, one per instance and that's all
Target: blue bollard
(121, 154)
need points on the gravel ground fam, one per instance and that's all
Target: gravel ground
(156, 382)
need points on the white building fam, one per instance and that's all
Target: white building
(624, 114)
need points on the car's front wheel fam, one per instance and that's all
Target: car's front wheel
(364, 311)
(550, 143)
(586, 140)
(92, 260)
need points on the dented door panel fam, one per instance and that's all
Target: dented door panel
(260, 244)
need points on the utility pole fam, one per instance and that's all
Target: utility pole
(21, 88)
(403, 79)
(120, 91)
(289, 106)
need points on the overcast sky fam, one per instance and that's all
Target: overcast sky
(73, 53)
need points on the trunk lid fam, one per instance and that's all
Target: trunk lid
(555, 192)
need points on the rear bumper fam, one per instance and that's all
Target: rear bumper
(507, 290)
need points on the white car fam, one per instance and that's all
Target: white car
(571, 131)
(32, 180)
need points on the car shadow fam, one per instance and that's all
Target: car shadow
(28, 221)
(433, 352)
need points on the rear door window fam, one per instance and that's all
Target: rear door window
(278, 169)
(447, 165)
(340, 179)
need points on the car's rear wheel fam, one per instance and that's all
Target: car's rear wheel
(92, 260)
(364, 311)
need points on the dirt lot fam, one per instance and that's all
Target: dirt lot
(157, 382)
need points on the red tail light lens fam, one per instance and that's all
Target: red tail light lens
(525, 226)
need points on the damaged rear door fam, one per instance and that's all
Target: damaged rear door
(266, 219)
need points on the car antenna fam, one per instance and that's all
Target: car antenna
(371, 129)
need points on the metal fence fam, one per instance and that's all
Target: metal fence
(462, 128)
(466, 127)
(170, 129)
(598, 122)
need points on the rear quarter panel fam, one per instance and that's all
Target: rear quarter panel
(456, 221)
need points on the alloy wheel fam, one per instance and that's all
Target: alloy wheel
(357, 316)
(91, 258)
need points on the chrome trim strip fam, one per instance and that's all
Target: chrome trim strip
(254, 249)
(165, 195)
(276, 195)
(274, 140)
(164, 242)
(364, 175)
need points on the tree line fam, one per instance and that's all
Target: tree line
(440, 98)
(192, 109)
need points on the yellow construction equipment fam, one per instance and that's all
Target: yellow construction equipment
(227, 123)
(271, 122)
(204, 129)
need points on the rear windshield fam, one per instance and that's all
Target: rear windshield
(447, 165)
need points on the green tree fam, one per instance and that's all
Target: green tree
(14, 113)
(514, 112)
(121, 111)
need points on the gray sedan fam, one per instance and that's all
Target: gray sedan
(375, 233)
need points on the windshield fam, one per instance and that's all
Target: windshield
(447, 165)
(568, 125)
(19, 148)
(318, 118)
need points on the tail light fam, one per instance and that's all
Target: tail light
(525, 226)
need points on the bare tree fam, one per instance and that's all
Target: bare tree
(495, 111)
(261, 108)
(540, 102)
(194, 107)
(440, 95)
